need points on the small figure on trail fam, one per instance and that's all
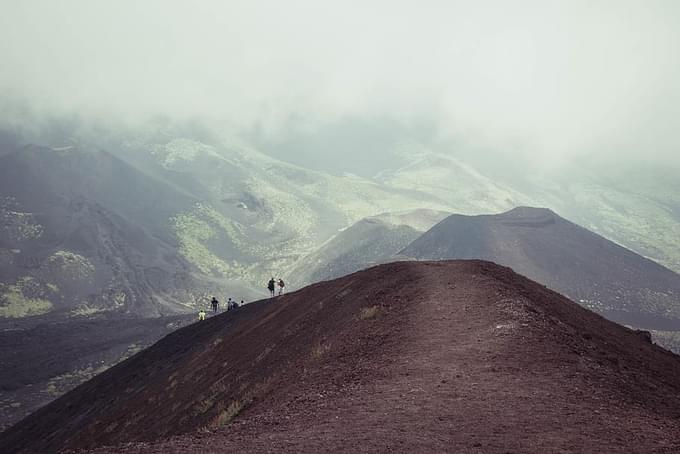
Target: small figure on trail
(271, 286)
(201, 315)
(215, 304)
(281, 286)
(230, 304)
(240, 304)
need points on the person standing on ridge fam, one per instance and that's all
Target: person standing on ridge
(201, 315)
(215, 304)
(230, 304)
(271, 286)
(281, 286)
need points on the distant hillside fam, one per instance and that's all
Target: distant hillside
(460, 356)
(638, 208)
(88, 244)
(371, 241)
(166, 217)
(40, 361)
(260, 216)
(152, 227)
(582, 265)
(84, 232)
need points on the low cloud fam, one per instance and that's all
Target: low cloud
(550, 78)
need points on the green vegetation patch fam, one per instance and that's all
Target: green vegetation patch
(203, 406)
(658, 302)
(368, 312)
(61, 384)
(320, 349)
(225, 416)
(192, 232)
(232, 229)
(17, 225)
(178, 151)
(85, 309)
(195, 229)
(22, 299)
(70, 265)
(108, 301)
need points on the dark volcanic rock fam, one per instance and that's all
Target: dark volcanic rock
(369, 242)
(599, 274)
(83, 234)
(461, 356)
(90, 231)
(41, 360)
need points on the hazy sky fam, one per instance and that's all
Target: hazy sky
(554, 76)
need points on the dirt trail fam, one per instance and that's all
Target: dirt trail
(460, 357)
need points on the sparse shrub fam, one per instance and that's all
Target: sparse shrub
(368, 312)
(264, 353)
(52, 390)
(203, 406)
(320, 349)
(70, 265)
(225, 416)
(22, 299)
(111, 427)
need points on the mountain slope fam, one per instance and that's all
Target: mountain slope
(87, 245)
(85, 232)
(427, 357)
(41, 361)
(586, 267)
(461, 185)
(636, 207)
(270, 213)
(370, 241)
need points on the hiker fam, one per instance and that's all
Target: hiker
(281, 286)
(201, 315)
(271, 287)
(230, 304)
(215, 304)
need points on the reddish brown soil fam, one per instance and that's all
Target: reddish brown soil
(35, 354)
(459, 357)
(537, 243)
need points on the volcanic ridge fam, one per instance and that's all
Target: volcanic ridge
(456, 356)
(599, 274)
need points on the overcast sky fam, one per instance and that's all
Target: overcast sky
(558, 77)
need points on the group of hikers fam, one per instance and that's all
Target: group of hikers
(232, 304)
(273, 283)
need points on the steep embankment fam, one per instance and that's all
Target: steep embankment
(41, 361)
(420, 357)
(537, 243)
(84, 235)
